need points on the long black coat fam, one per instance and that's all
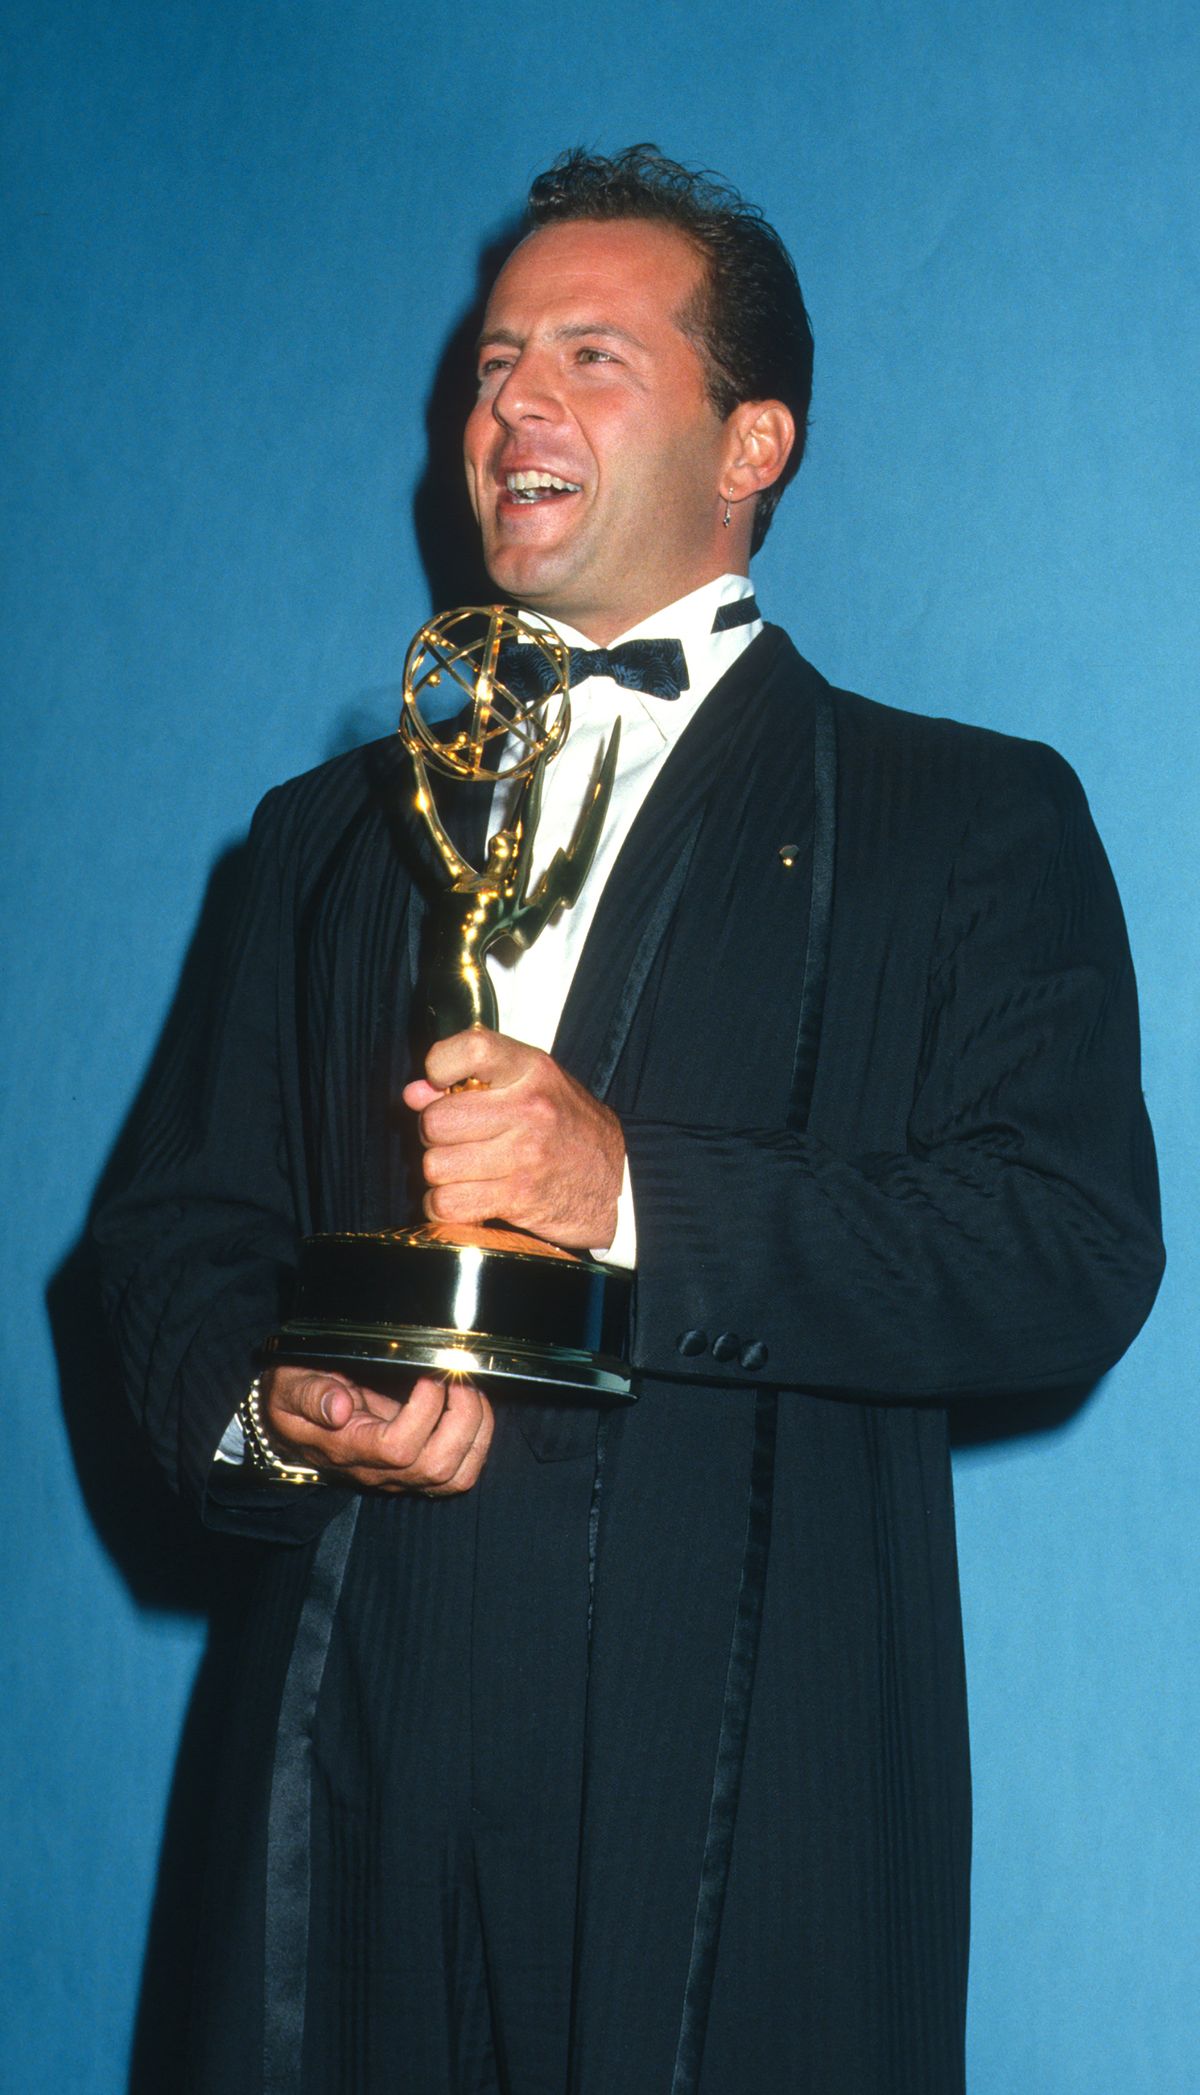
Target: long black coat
(727, 1657)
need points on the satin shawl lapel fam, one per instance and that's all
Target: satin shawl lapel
(625, 937)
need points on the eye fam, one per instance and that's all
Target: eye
(490, 365)
(596, 356)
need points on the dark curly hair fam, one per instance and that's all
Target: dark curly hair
(749, 322)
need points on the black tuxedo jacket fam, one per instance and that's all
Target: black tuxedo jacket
(963, 1204)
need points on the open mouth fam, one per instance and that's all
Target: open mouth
(531, 487)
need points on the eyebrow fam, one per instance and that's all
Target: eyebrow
(574, 332)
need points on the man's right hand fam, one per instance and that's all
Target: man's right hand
(434, 1441)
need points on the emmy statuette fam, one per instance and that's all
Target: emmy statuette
(493, 1301)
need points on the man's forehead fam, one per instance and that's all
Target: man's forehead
(612, 262)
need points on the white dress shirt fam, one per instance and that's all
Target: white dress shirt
(531, 985)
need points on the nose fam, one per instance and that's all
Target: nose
(528, 391)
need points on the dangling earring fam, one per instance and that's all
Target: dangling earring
(728, 513)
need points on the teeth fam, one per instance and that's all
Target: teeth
(527, 483)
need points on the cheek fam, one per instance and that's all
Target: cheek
(685, 481)
(475, 437)
(472, 496)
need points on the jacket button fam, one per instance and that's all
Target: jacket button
(726, 1346)
(692, 1342)
(754, 1355)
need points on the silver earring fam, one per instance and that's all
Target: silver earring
(726, 519)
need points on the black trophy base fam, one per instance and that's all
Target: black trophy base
(484, 1303)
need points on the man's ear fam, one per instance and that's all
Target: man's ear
(761, 435)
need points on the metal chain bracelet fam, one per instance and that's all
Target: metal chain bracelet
(259, 1453)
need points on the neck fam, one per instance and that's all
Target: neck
(602, 626)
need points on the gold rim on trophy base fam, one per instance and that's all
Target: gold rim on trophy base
(482, 1302)
(491, 1302)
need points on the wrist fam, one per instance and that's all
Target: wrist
(261, 1455)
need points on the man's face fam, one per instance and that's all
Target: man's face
(594, 457)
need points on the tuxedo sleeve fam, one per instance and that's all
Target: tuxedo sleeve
(198, 1246)
(1011, 1243)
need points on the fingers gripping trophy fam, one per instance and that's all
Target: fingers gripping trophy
(493, 1301)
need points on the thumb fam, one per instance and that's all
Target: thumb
(419, 1094)
(316, 1396)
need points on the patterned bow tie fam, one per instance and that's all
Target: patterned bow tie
(654, 666)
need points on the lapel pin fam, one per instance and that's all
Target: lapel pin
(788, 854)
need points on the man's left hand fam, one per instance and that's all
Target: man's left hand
(533, 1148)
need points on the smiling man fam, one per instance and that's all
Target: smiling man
(588, 1751)
(595, 447)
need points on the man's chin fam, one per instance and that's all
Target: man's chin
(527, 574)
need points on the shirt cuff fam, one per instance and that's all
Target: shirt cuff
(623, 1249)
(232, 1445)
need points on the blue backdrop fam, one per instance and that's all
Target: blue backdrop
(241, 235)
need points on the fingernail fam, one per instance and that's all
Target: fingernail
(327, 1407)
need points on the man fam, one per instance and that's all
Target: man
(628, 1751)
